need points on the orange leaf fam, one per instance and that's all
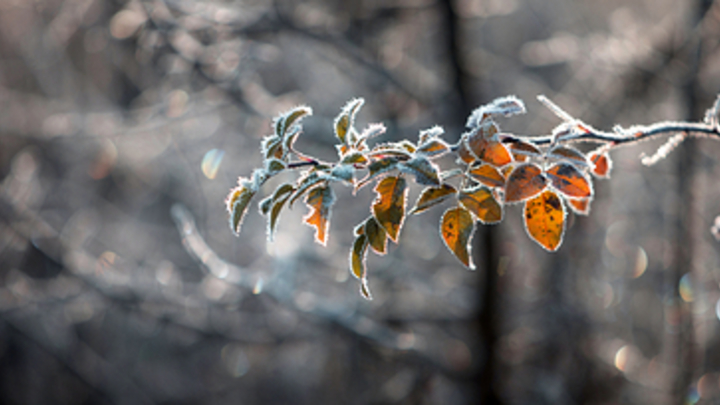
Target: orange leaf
(524, 182)
(570, 181)
(456, 227)
(482, 204)
(487, 175)
(389, 205)
(601, 164)
(489, 151)
(319, 199)
(433, 148)
(581, 206)
(432, 196)
(522, 150)
(545, 220)
(571, 154)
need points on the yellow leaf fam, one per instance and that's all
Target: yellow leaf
(344, 121)
(456, 227)
(482, 204)
(376, 235)
(432, 196)
(545, 220)
(389, 205)
(320, 200)
(433, 148)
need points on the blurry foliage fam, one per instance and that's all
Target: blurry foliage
(123, 124)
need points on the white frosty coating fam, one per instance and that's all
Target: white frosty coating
(350, 109)
(425, 172)
(505, 106)
(295, 114)
(372, 130)
(664, 150)
(343, 172)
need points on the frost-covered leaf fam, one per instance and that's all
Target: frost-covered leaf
(487, 175)
(570, 154)
(431, 133)
(525, 181)
(237, 203)
(521, 150)
(370, 132)
(389, 205)
(432, 196)
(433, 148)
(286, 121)
(545, 220)
(271, 146)
(265, 205)
(482, 145)
(320, 201)
(357, 257)
(343, 172)
(408, 146)
(365, 290)
(579, 206)
(602, 165)
(307, 181)
(569, 180)
(505, 106)
(377, 237)
(345, 120)
(354, 157)
(277, 207)
(274, 166)
(464, 153)
(425, 172)
(480, 202)
(390, 149)
(377, 168)
(456, 228)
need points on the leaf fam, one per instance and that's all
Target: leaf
(390, 149)
(345, 120)
(525, 181)
(377, 168)
(277, 207)
(308, 180)
(271, 146)
(480, 202)
(433, 148)
(569, 180)
(389, 205)
(432, 196)
(580, 206)
(365, 290)
(487, 149)
(602, 165)
(428, 134)
(237, 203)
(357, 257)
(376, 235)
(353, 157)
(487, 175)
(274, 166)
(521, 150)
(370, 132)
(506, 106)
(545, 220)
(343, 172)
(320, 200)
(290, 118)
(456, 227)
(464, 153)
(425, 172)
(571, 154)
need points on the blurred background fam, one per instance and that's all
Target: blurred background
(123, 124)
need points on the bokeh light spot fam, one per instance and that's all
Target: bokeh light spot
(686, 289)
(641, 263)
(211, 162)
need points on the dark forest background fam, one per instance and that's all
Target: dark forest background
(124, 124)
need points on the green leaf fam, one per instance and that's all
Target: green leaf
(354, 157)
(320, 200)
(293, 117)
(389, 205)
(376, 235)
(425, 172)
(456, 228)
(271, 146)
(432, 196)
(274, 166)
(357, 257)
(275, 214)
(308, 180)
(345, 120)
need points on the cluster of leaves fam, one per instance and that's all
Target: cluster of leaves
(493, 169)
